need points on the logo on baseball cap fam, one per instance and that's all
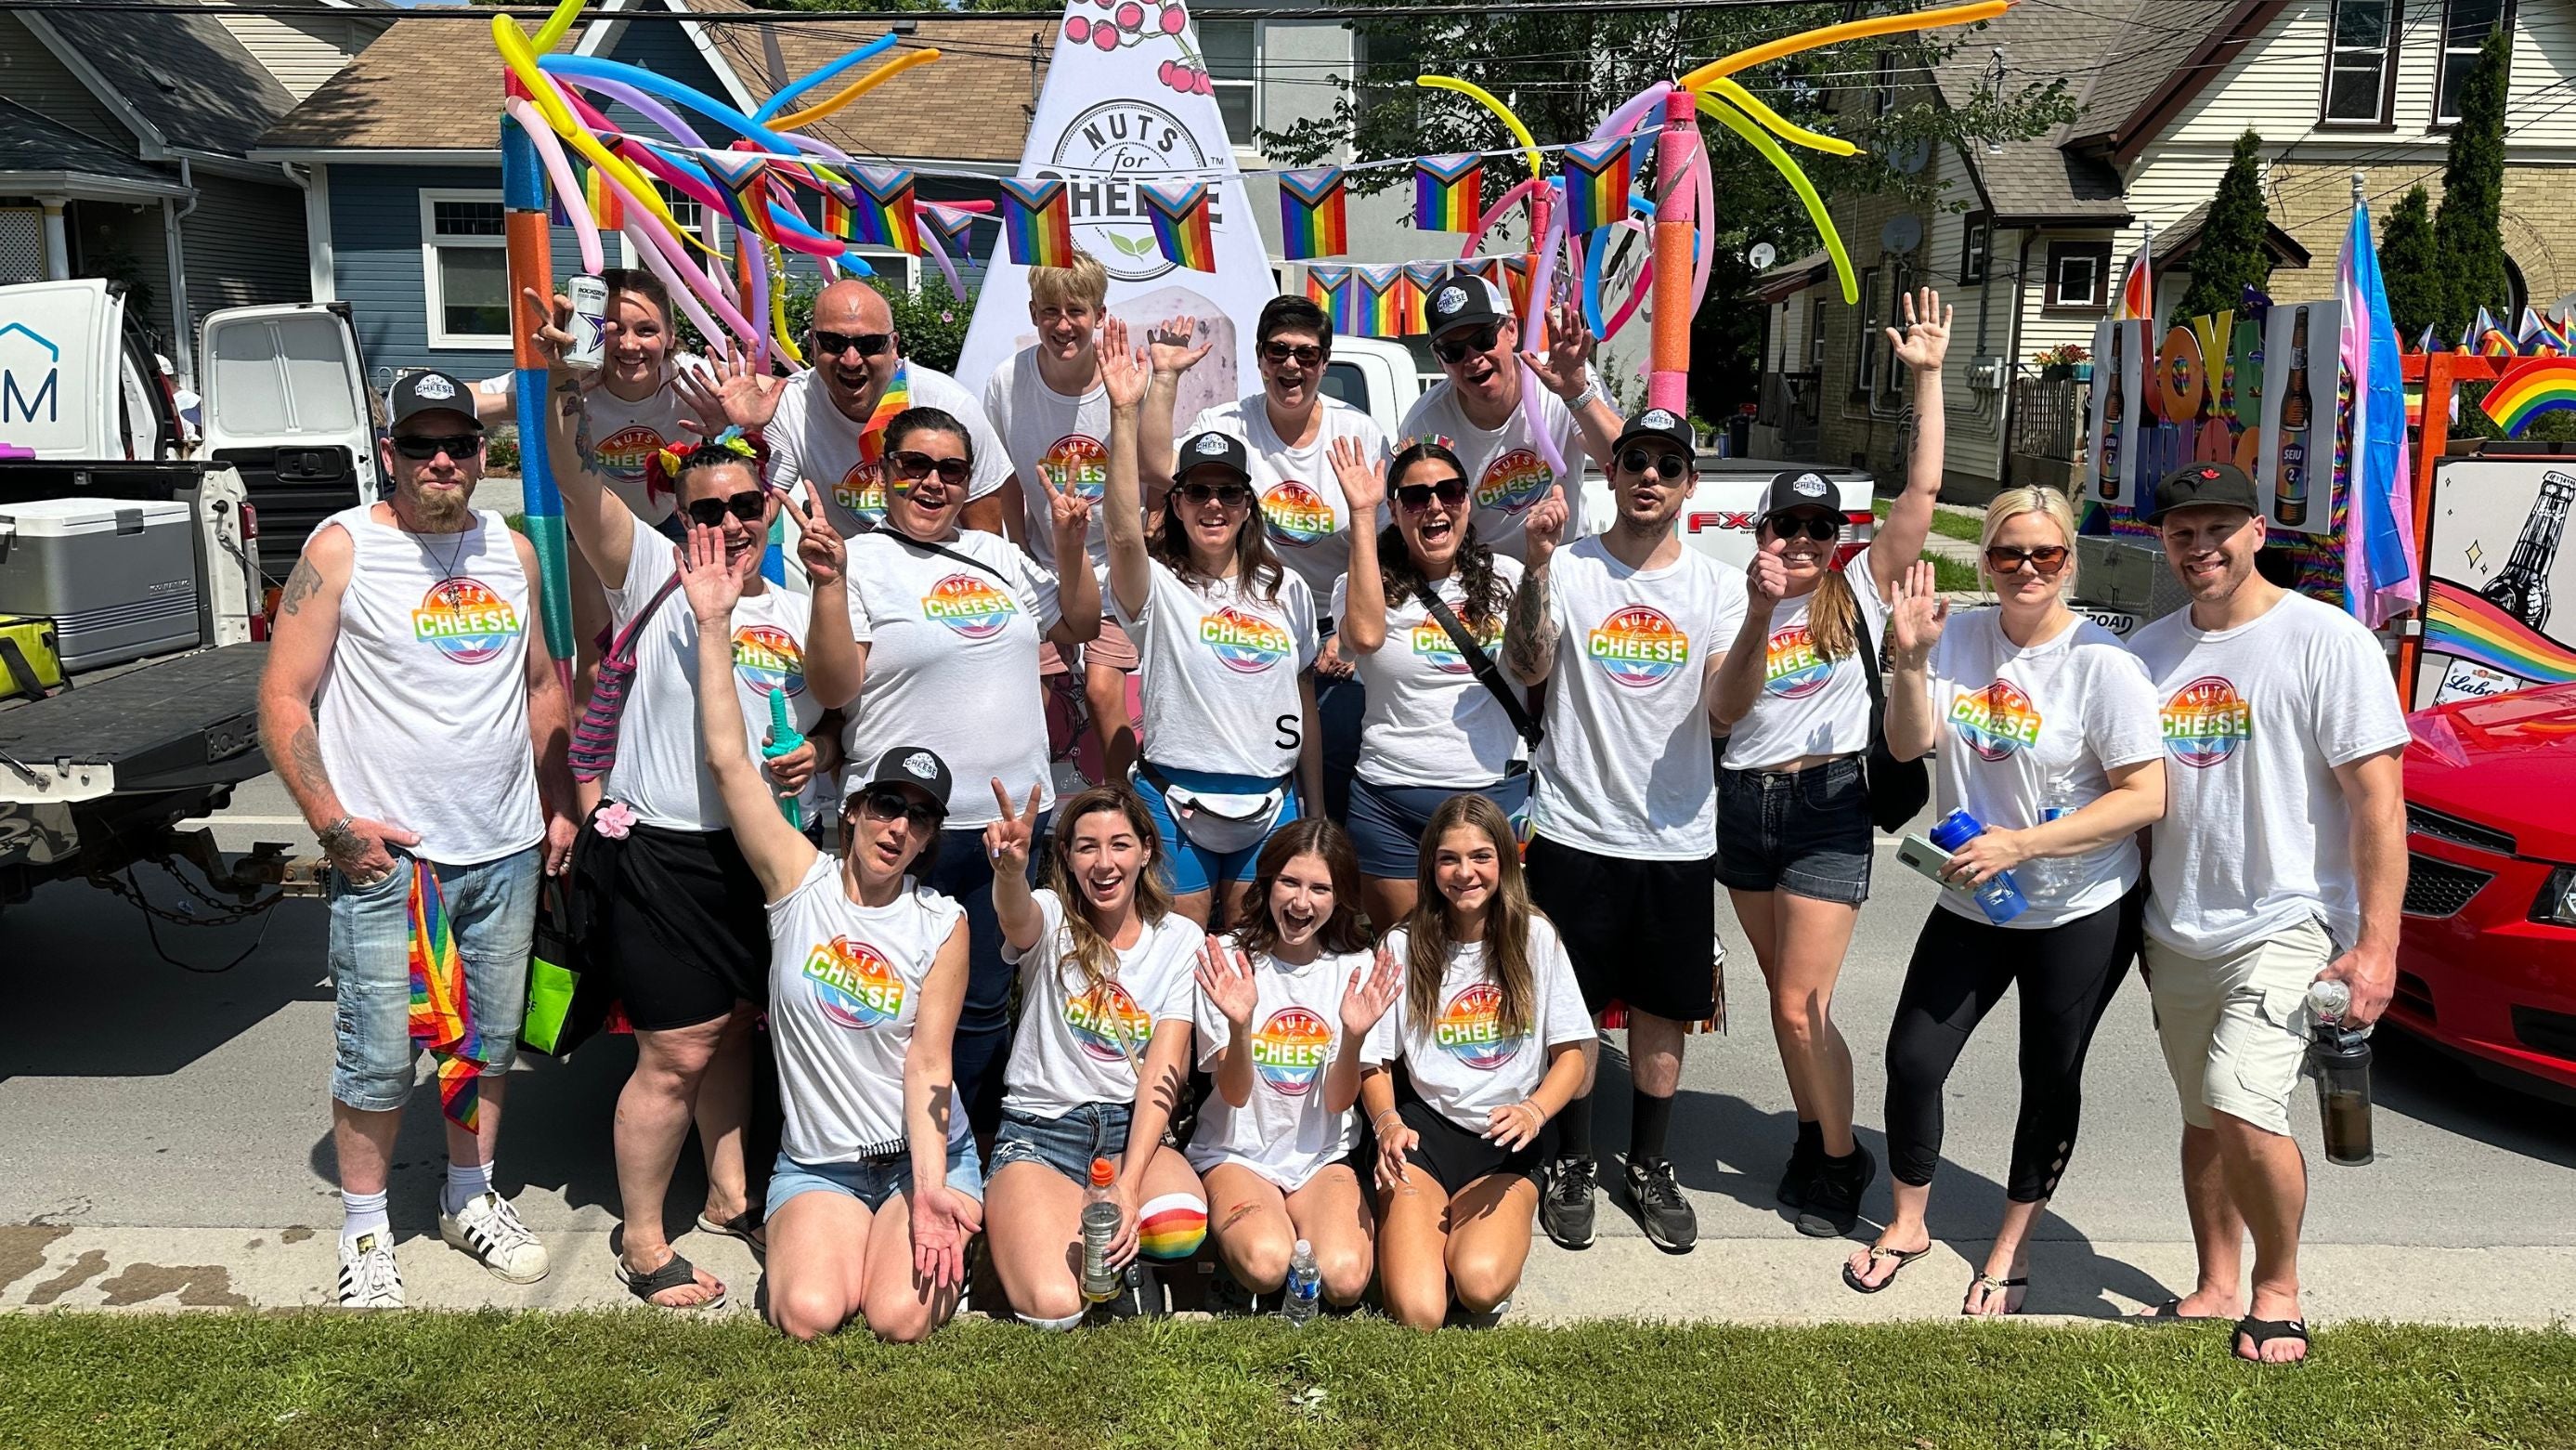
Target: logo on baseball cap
(1467, 302)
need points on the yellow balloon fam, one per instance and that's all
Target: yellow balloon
(856, 89)
(1477, 93)
(1852, 30)
(1735, 121)
(778, 304)
(521, 58)
(557, 25)
(1782, 126)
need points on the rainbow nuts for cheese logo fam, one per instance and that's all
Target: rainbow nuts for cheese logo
(1995, 721)
(1107, 1022)
(465, 620)
(767, 658)
(622, 454)
(2206, 721)
(1513, 482)
(1077, 463)
(1433, 646)
(854, 985)
(969, 606)
(1247, 643)
(862, 491)
(1791, 668)
(1470, 1028)
(1290, 1049)
(1639, 646)
(1296, 514)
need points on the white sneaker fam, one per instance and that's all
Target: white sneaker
(369, 1277)
(490, 1230)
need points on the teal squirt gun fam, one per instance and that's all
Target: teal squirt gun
(783, 740)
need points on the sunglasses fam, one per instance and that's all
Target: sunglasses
(1232, 495)
(869, 344)
(1666, 465)
(429, 445)
(2047, 562)
(1304, 354)
(1466, 345)
(1415, 497)
(886, 803)
(918, 466)
(1818, 528)
(710, 512)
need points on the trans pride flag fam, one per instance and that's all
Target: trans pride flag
(1447, 192)
(1037, 222)
(1313, 216)
(1596, 185)
(1180, 218)
(883, 215)
(2379, 555)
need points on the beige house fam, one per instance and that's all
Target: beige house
(2030, 239)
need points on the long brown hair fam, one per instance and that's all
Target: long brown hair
(1398, 574)
(1508, 915)
(1833, 611)
(1257, 569)
(1091, 952)
(1307, 836)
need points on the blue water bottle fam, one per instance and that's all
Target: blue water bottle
(2000, 897)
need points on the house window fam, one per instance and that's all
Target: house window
(1232, 49)
(689, 213)
(465, 269)
(1865, 338)
(1901, 277)
(1976, 244)
(1882, 95)
(2466, 24)
(2361, 51)
(1816, 336)
(2079, 275)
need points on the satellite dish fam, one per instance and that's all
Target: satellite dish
(1762, 256)
(1903, 233)
(1912, 156)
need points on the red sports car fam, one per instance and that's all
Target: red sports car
(2487, 958)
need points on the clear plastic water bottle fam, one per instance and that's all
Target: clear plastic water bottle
(1305, 1286)
(2049, 878)
(2000, 895)
(1100, 1283)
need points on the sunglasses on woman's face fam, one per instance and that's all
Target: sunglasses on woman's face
(425, 446)
(1462, 346)
(1816, 527)
(918, 466)
(1666, 465)
(1413, 498)
(1232, 495)
(711, 512)
(2047, 561)
(1306, 354)
(889, 804)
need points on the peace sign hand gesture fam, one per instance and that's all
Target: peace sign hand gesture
(818, 544)
(1124, 369)
(1070, 511)
(1371, 991)
(1916, 615)
(1225, 976)
(1363, 483)
(1007, 839)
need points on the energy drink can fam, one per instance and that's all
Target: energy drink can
(589, 297)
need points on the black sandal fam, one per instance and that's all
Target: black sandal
(2263, 1332)
(676, 1272)
(746, 1226)
(1902, 1257)
(2170, 1312)
(1992, 1286)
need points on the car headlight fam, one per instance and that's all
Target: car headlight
(2557, 903)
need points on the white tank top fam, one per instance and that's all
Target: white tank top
(844, 992)
(423, 711)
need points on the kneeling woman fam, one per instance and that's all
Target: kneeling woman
(1284, 1010)
(1102, 1056)
(1494, 1041)
(874, 1194)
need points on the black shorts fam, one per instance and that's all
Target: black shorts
(1455, 1157)
(1806, 832)
(1639, 932)
(676, 919)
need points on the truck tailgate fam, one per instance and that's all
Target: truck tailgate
(172, 724)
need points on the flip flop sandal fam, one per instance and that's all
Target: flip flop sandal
(2263, 1332)
(1902, 1257)
(676, 1273)
(745, 1226)
(1992, 1286)
(2169, 1312)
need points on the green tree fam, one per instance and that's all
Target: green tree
(2230, 256)
(2468, 230)
(2410, 267)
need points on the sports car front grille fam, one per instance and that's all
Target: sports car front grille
(2450, 828)
(2438, 888)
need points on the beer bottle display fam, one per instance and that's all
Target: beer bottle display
(2112, 412)
(2294, 408)
(2521, 587)
(2290, 481)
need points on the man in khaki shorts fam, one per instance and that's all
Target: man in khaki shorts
(2280, 861)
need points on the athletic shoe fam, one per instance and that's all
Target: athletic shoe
(489, 1229)
(1803, 1160)
(1670, 1224)
(1458, 1318)
(1565, 1202)
(1228, 1299)
(369, 1277)
(1833, 1199)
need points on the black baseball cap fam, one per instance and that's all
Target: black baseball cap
(1662, 425)
(2219, 485)
(1465, 301)
(430, 391)
(1799, 488)
(916, 768)
(1210, 449)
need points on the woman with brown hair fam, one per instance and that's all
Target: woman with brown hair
(1494, 1040)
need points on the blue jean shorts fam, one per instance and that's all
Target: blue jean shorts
(870, 1180)
(493, 911)
(1193, 866)
(1387, 821)
(1066, 1144)
(1805, 832)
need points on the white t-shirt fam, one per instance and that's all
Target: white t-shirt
(1810, 705)
(619, 438)
(812, 439)
(2011, 720)
(1505, 469)
(952, 662)
(1073, 1043)
(661, 767)
(1047, 434)
(1300, 496)
(1284, 1133)
(1460, 1061)
(1220, 672)
(1428, 721)
(2256, 832)
(1626, 768)
(845, 985)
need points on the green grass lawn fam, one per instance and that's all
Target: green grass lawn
(1963, 527)
(565, 1380)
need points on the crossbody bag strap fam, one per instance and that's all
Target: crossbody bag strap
(1481, 665)
(623, 647)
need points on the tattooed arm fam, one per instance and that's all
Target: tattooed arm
(1529, 631)
(299, 651)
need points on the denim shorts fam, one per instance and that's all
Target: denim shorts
(493, 911)
(1387, 821)
(1066, 1144)
(1194, 867)
(870, 1180)
(1805, 832)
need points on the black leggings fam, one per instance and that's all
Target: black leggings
(2068, 975)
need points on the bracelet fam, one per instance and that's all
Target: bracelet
(1591, 393)
(338, 829)
(1386, 1114)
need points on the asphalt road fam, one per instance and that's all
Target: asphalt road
(165, 1128)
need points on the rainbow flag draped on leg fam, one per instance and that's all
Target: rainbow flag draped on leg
(442, 1020)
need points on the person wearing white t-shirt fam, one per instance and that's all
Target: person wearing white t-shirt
(1793, 807)
(1495, 1040)
(1227, 636)
(1106, 1000)
(1482, 404)
(1436, 723)
(2280, 862)
(1627, 629)
(1285, 1006)
(877, 1189)
(2046, 732)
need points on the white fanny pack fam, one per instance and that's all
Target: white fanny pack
(1222, 822)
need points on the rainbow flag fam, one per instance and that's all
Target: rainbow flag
(441, 1019)
(2528, 389)
(897, 397)
(2459, 623)
(1516, 281)
(881, 215)
(836, 216)
(1322, 283)
(1382, 306)
(1489, 268)
(607, 208)
(953, 228)
(1180, 217)
(1312, 219)
(1422, 279)
(1037, 222)
(1448, 192)
(1596, 185)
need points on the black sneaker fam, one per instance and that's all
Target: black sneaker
(1669, 1222)
(1228, 1299)
(1803, 1158)
(1565, 1202)
(1833, 1196)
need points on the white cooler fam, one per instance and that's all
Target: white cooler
(118, 577)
